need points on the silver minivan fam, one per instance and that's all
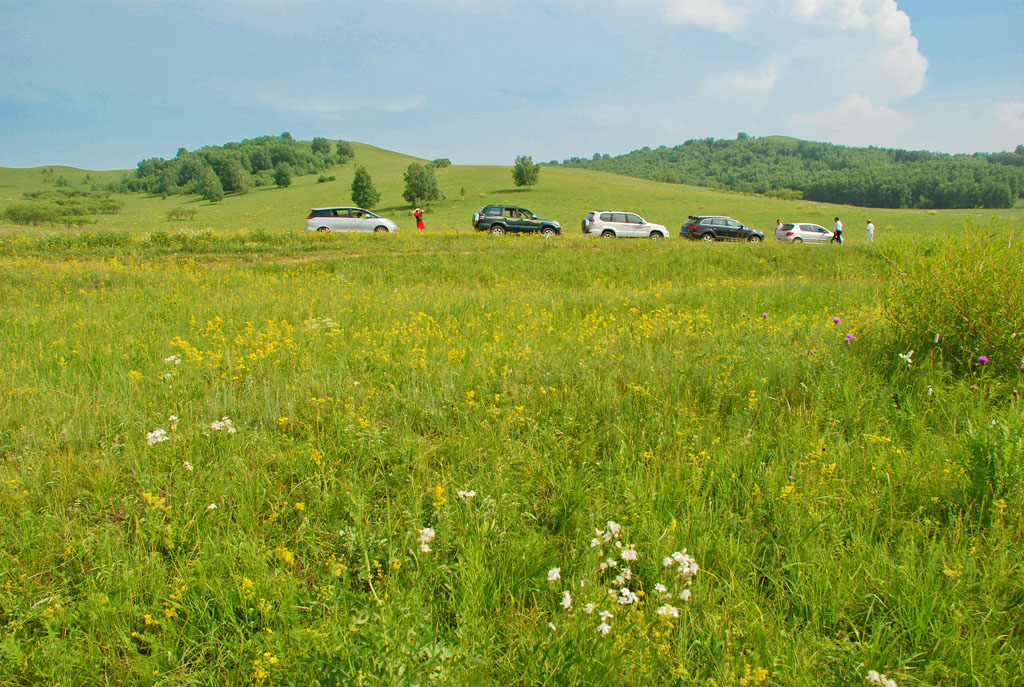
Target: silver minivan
(348, 219)
(613, 224)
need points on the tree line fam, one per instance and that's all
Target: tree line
(791, 168)
(213, 171)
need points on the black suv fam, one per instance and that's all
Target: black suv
(499, 219)
(718, 229)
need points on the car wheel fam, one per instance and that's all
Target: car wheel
(798, 240)
(656, 236)
(547, 232)
(608, 234)
(497, 230)
(707, 238)
(322, 229)
(377, 230)
(754, 239)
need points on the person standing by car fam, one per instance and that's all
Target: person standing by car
(837, 231)
(870, 231)
(778, 227)
(418, 214)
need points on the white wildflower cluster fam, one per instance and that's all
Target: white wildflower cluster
(604, 628)
(466, 495)
(172, 360)
(668, 611)
(426, 536)
(880, 679)
(685, 564)
(223, 425)
(315, 323)
(908, 357)
(613, 559)
(188, 466)
(156, 436)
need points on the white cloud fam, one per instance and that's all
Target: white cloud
(711, 14)
(1009, 116)
(855, 120)
(855, 109)
(325, 104)
(882, 52)
(757, 82)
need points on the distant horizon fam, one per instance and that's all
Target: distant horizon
(508, 163)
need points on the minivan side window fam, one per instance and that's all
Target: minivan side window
(633, 219)
(606, 217)
(492, 210)
(619, 217)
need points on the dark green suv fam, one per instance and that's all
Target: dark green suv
(499, 219)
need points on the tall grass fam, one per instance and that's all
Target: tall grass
(848, 512)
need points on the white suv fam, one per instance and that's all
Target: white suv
(347, 219)
(612, 224)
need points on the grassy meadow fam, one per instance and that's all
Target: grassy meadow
(235, 453)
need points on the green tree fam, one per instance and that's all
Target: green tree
(283, 174)
(420, 184)
(208, 185)
(525, 173)
(363, 192)
(321, 145)
(345, 151)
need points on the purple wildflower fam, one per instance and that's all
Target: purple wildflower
(836, 320)
(764, 314)
(848, 337)
(982, 360)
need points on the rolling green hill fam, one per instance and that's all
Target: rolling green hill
(565, 194)
(790, 168)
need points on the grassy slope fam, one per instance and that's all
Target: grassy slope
(563, 194)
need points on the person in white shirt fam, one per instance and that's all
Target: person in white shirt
(837, 229)
(870, 230)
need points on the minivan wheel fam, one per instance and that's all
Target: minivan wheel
(798, 240)
(547, 232)
(377, 230)
(755, 239)
(497, 230)
(656, 236)
(608, 234)
(322, 229)
(707, 238)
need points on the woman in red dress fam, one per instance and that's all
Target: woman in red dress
(418, 214)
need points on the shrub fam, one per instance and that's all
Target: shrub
(31, 213)
(75, 220)
(181, 213)
(323, 179)
(963, 298)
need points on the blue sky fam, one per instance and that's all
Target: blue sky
(102, 84)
